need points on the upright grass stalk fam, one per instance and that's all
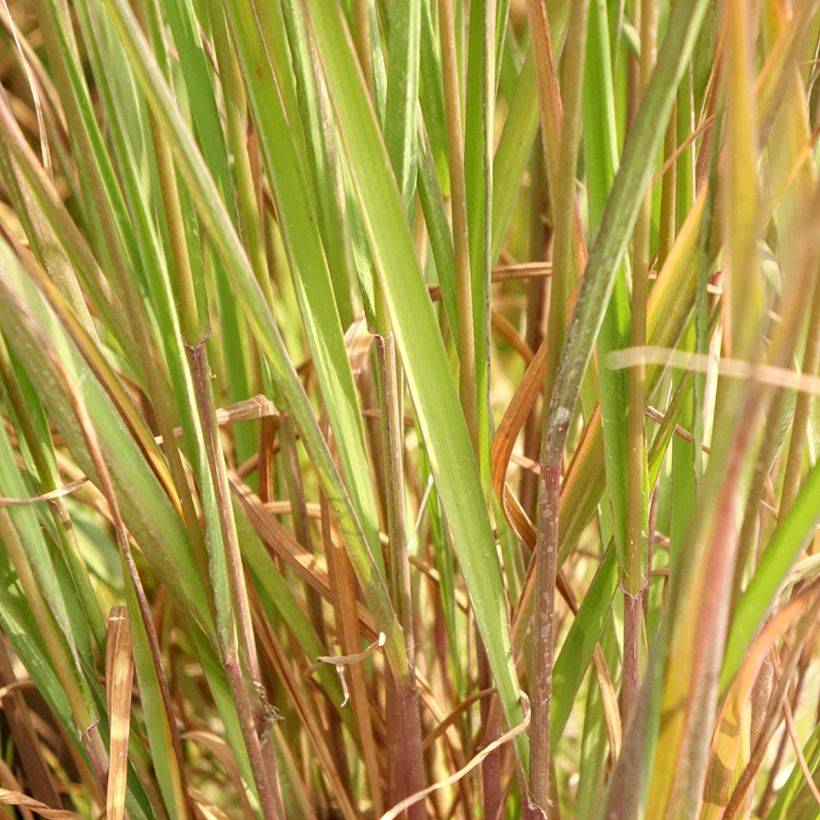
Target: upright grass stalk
(550, 106)
(551, 117)
(422, 353)
(635, 566)
(546, 550)
(622, 209)
(797, 444)
(402, 700)
(407, 763)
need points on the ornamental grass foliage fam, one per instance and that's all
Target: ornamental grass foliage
(409, 408)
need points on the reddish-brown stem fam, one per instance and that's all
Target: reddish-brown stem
(407, 761)
(546, 570)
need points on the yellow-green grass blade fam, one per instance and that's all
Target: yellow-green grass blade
(520, 126)
(443, 557)
(200, 97)
(431, 98)
(438, 230)
(35, 445)
(157, 728)
(513, 151)
(594, 745)
(25, 520)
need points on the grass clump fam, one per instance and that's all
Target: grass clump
(409, 408)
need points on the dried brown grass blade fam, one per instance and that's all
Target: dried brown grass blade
(345, 601)
(38, 777)
(256, 407)
(506, 330)
(7, 777)
(119, 677)
(285, 546)
(451, 719)
(13, 798)
(49, 496)
(504, 441)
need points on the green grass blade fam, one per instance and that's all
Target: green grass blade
(601, 160)
(577, 647)
(478, 171)
(160, 535)
(782, 549)
(513, 151)
(402, 95)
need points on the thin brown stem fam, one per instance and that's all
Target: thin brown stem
(540, 236)
(768, 795)
(546, 570)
